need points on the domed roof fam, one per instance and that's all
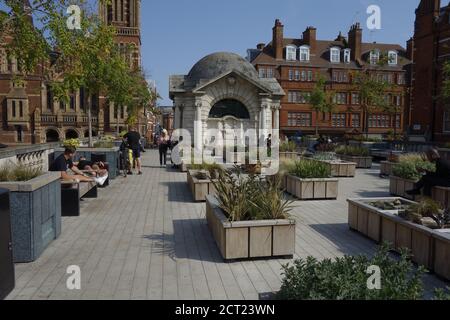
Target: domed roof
(219, 63)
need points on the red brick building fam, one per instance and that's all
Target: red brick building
(30, 114)
(297, 63)
(429, 116)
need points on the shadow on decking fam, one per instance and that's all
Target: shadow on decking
(191, 239)
(346, 241)
(372, 194)
(178, 191)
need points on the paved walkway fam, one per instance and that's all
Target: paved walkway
(144, 238)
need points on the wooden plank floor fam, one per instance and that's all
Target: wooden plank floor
(144, 238)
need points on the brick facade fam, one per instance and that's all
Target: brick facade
(297, 63)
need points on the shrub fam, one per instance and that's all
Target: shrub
(306, 169)
(75, 143)
(18, 173)
(354, 151)
(346, 278)
(290, 146)
(411, 167)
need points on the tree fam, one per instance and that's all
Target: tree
(320, 100)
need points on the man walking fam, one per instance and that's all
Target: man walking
(134, 141)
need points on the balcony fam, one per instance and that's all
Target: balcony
(125, 31)
(67, 120)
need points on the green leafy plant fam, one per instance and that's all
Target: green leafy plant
(290, 146)
(355, 151)
(307, 169)
(410, 167)
(74, 143)
(346, 278)
(428, 208)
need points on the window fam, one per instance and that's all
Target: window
(397, 100)
(21, 109)
(340, 98)
(14, 108)
(299, 119)
(392, 58)
(303, 75)
(355, 99)
(310, 76)
(270, 73)
(19, 133)
(304, 53)
(298, 97)
(374, 56)
(379, 121)
(340, 76)
(335, 55)
(291, 75)
(447, 121)
(72, 102)
(400, 79)
(122, 112)
(291, 53)
(338, 120)
(297, 75)
(356, 122)
(347, 55)
(62, 105)
(398, 121)
(262, 72)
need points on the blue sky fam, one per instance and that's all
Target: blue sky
(177, 33)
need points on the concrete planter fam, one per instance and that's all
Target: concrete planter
(35, 215)
(399, 186)
(199, 188)
(111, 155)
(250, 239)
(386, 168)
(312, 189)
(361, 162)
(430, 248)
(340, 168)
(441, 195)
(289, 156)
(7, 276)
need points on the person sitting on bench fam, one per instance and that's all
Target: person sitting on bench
(64, 162)
(97, 169)
(439, 178)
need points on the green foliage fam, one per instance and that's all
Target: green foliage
(410, 167)
(428, 208)
(75, 143)
(247, 198)
(307, 169)
(346, 278)
(18, 173)
(355, 151)
(290, 146)
(321, 99)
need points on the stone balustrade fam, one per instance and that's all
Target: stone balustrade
(35, 156)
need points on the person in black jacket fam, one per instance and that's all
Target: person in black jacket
(439, 178)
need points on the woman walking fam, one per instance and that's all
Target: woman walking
(163, 144)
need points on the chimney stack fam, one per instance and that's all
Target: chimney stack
(410, 49)
(310, 38)
(277, 39)
(355, 41)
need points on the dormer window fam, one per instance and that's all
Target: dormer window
(291, 53)
(304, 53)
(374, 57)
(392, 58)
(335, 55)
(347, 55)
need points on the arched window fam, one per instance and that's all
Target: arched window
(335, 55)
(229, 107)
(71, 134)
(304, 53)
(52, 135)
(291, 53)
(392, 58)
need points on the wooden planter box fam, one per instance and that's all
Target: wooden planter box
(442, 253)
(341, 168)
(199, 188)
(386, 168)
(35, 215)
(399, 186)
(430, 248)
(442, 195)
(250, 239)
(289, 156)
(312, 189)
(7, 277)
(361, 162)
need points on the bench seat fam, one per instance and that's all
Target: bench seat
(71, 195)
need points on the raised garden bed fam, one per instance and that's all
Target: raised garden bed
(429, 247)
(398, 187)
(312, 189)
(340, 168)
(200, 188)
(249, 239)
(361, 162)
(35, 215)
(386, 168)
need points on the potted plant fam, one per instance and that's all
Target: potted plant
(359, 155)
(338, 168)
(309, 180)
(250, 218)
(395, 158)
(35, 209)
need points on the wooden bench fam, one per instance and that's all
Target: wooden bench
(71, 195)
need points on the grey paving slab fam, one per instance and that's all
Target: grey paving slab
(145, 238)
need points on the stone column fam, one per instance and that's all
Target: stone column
(276, 120)
(198, 132)
(177, 114)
